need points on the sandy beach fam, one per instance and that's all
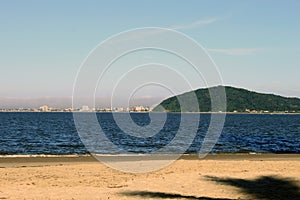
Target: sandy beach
(226, 176)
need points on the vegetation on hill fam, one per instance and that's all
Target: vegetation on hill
(239, 100)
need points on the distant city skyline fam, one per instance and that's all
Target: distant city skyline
(66, 102)
(255, 44)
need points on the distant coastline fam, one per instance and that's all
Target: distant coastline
(141, 112)
(230, 100)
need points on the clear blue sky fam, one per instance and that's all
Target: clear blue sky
(256, 44)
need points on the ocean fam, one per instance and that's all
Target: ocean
(56, 134)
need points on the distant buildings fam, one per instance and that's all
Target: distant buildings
(85, 109)
(139, 109)
(68, 110)
(44, 108)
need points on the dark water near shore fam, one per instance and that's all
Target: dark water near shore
(55, 133)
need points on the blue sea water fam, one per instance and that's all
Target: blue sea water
(55, 133)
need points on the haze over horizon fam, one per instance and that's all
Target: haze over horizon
(66, 102)
(255, 44)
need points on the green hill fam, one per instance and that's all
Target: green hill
(238, 100)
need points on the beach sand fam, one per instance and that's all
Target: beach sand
(231, 176)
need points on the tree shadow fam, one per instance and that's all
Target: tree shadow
(265, 187)
(262, 188)
(163, 195)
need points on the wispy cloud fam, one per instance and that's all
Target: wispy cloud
(195, 24)
(144, 34)
(237, 51)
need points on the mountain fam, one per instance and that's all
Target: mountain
(238, 100)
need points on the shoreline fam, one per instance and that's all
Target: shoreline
(41, 160)
(181, 156)
(142, 112)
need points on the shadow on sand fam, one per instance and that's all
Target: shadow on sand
(265, 187)
(262, 188)
(163, 195)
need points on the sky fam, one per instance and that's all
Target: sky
(255, 44)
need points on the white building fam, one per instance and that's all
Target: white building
(44, 108)
(85, 109)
